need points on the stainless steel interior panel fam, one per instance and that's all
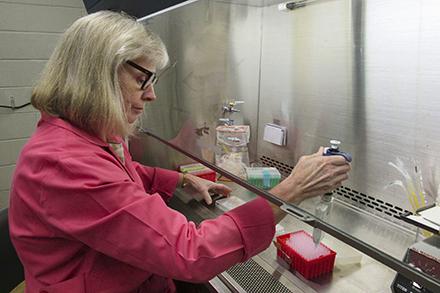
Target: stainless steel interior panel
(363, 72)
(217, 49)
(402, 40)
(306, 77)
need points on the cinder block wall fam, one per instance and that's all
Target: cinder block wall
(29, 30)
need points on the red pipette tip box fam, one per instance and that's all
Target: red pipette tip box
(198, 170)
(300, 252)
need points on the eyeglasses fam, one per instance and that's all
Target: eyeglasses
(151, 77)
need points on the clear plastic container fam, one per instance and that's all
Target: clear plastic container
(231, 148)
(263, 177)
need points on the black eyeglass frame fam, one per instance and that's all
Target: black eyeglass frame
(151, 76)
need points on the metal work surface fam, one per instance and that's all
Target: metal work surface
(246, 275)
(348, 275)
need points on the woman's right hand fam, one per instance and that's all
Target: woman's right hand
(313, 175)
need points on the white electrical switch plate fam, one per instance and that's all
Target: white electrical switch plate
(275, 134)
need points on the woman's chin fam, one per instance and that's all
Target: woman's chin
(133, 118)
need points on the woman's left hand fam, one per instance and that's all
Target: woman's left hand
(203, 187)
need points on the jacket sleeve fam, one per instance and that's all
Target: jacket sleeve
(117, 218)
(157, 180)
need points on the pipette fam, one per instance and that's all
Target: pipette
(322, 210)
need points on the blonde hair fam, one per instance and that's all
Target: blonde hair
(80, 81)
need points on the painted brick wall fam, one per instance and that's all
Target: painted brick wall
(29, 30)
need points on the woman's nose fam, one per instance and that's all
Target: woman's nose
(149, 94)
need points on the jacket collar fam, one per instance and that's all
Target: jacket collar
(58, 122)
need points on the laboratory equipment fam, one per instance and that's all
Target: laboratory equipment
(324, 207)
(198, 170)
(251, 50)
(263, 177)
(231, 151)
(299, 251)
(425, 256)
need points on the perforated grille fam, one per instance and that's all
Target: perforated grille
(374, 205)
(253, 278)
(351, 196)
(284, 169)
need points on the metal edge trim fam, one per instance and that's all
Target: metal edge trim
(165, 10)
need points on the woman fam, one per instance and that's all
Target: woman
(84, 217)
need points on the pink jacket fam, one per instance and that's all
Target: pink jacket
(82, 221)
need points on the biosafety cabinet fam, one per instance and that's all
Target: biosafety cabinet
(364, 72)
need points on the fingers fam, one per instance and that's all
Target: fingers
(314, 175)
(339, 170)
(335, 174)
(207, 197)
(220, 188)
(320, 151)
(337, 181)
(336, 160)
(216, 187)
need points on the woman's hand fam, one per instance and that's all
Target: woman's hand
(196, 185)
(313, 175)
